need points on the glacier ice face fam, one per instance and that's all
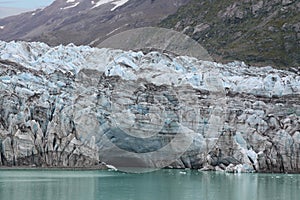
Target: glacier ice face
(77, 106)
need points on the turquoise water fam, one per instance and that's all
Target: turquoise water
(158, 185)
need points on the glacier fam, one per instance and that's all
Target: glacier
(78, 106)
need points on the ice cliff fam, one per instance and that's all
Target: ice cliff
(77, 106)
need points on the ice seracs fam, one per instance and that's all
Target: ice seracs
(236, 76)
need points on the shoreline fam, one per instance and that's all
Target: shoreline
(53, 168)
(104, 168)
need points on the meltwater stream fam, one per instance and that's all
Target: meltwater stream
(158, 185)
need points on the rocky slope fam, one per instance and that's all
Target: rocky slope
(84, 21)
(258, 32)
(78, 106)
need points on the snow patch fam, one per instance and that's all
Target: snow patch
(117, 3)
(108, 34)
(116, 30)
(94, 41)
(72, 6)
(2, 27)
(71, 1)
(101, 2)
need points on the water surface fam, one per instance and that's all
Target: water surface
(158, 185)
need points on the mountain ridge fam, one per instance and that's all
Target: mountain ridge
(258, 32)
(84, 22)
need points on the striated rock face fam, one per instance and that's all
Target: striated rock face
(79, 106)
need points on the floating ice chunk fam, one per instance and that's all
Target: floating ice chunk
(111, 167)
